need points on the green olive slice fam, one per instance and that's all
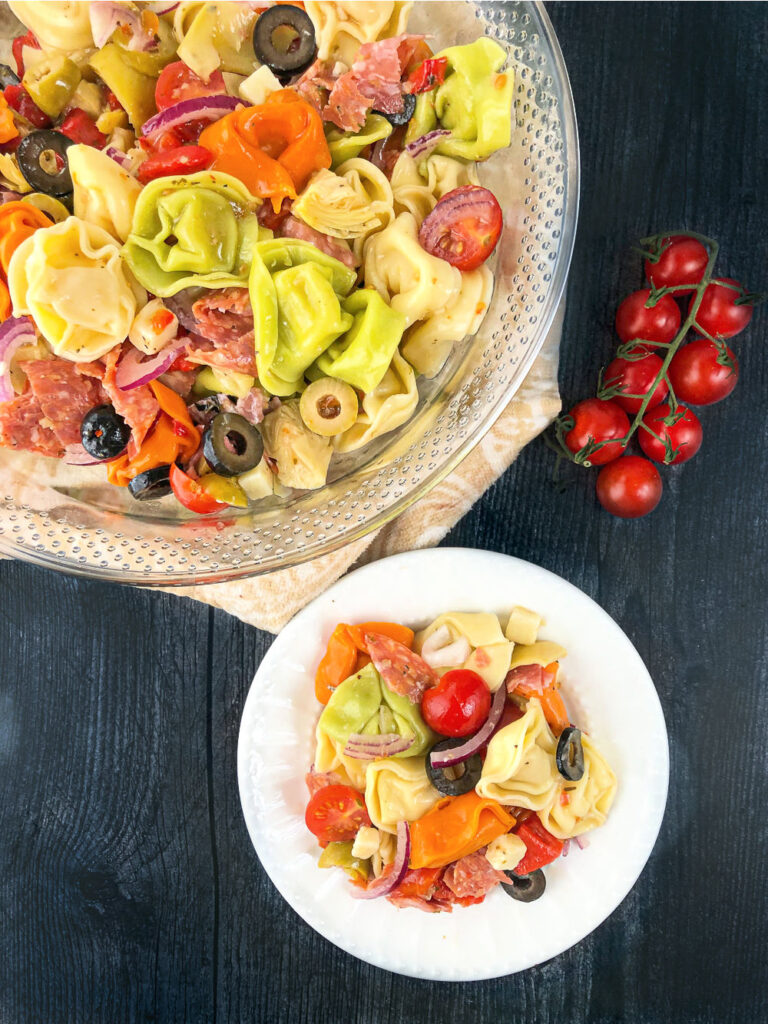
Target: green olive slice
(328, 406)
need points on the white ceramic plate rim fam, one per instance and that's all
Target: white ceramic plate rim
(609, 693)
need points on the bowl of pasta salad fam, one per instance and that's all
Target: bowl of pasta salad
(453, 764)
(268, 272)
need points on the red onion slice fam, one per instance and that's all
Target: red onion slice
(386, 883)
(9, 197)
(581, 843)
(14, 332)
(446, 758)
(107, 16)
(199, 108)
(426, 143)
(118, 156)
(135, 369)
(368, 748)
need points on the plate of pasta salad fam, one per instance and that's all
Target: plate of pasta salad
(235, 236)
(453, 764)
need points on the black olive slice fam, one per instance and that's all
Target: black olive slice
(470, 770)
(232, 445)
(525, 888)
(104, 432)
(8, 77)
(284, 40)
(153, 483)
(570, 754)
(42, 157)
(405, 115)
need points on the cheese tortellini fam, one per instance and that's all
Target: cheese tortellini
(342, 26)
(398, 789)
(70, 279)
(56, 24)
(416, 187)
(490, 653)
(104, 193)
(388, 406)
(519, 768)
(589, 799)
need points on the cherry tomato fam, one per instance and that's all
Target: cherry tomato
(630, 487)
(721, 314)
(464, 227)
(596, 419)
(635, 377)
(659, 322)
(179, 160)
(178, 82)
(700, 375)
(79, 127)
(335, 813)
(458, 705)
(682, 260)
(679, 441)
(191, 495)
(183, 364)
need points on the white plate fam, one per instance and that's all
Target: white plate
(609, 693)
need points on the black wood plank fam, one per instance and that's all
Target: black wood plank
(128, 887)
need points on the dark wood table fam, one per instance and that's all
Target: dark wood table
(129, 890)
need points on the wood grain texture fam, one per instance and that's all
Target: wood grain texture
(129, 890)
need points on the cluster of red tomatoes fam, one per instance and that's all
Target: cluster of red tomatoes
(655, 376)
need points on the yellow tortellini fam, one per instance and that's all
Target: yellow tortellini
(104, 193)
(342, 26)
(519, 768)
(417, 186)
(388, 406)
(70, 279)
(491, 652)
(330, 757)
(408, 278)
(589, 799)
(302, 457)
(57, 24)
(428, 345)
(398, 789)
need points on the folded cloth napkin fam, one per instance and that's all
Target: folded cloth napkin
(268, 602)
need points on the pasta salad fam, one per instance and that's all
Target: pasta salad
(234, 235)
(446, 763)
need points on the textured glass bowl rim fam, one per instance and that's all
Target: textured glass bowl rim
(554, 296)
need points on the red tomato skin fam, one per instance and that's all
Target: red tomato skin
(458, 705)
(598, 419)
(190, 494)
(683, 260)
(630, 487)
(697, 376)
(718, 314)
(335, 813)
(463, 228)
(686, 434)
(179, 160)
(660, 322)
(636, 376)
(178, 82)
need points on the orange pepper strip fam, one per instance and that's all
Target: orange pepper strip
(8, 129)
(337, 664)
(552, 704)
(5, 302)
(362, 661)
(273, 148)
(393, 630)
(17, 222)
(455, 827)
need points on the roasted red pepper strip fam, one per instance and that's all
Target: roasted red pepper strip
(18, 98)
(179, 160)
(429, 74)
(79, 127)
(541, 846)
(17, 49)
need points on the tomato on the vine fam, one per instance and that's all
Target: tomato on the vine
(635, 373)
(701, 374)
(658, 322)
(682, 260)
(630, 487)
(597, 420)
(335, 813)
(675, 442)
(722, 312)
(458, 705)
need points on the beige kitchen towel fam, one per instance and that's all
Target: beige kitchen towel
(268, 602)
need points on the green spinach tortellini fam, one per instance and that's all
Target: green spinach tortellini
(199, 230)
(296, 295)
(344, 146)
(474, 102)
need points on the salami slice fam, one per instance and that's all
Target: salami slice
(64, 395)
(138, 407)
(431, 906)
(472, 876)
(292, 227)
(238, 354)
(21, 427)
(405, 672)
(319, 780)
(223, 315)
(526, 677)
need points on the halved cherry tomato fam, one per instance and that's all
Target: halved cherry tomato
(458, 705)
(335, 813)
(428, 74)
(17, 49)
(79, 127)
(464, 227)
(671, 443)
(596, 419)
(190, 494)
(658, 322)
(178, 82)
(634, 375)
(541, 846)
(169, 162)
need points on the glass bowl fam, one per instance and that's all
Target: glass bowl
(68, 518)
